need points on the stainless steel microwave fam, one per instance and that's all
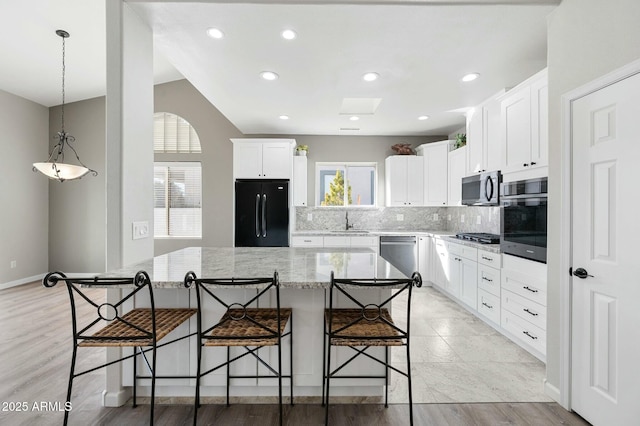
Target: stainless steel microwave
(482, 189)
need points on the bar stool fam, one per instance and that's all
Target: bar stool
(137, 328)
(243, 326)
(364, 326)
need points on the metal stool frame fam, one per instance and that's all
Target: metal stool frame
(363, 327)
(137, 328)
(266, 334)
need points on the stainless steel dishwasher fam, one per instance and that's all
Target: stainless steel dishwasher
(401, 251)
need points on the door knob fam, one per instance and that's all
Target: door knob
(581, 273)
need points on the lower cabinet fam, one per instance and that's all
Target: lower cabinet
(439, 263)
(335, 241)
(524, 303)
(425, 262)
(463, 274)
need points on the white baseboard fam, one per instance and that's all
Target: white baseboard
(551, 391)
(22, 281)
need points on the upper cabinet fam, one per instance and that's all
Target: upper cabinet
(483, 137)
(262, 158)
(435, 157)
(404, 180)
(524, 125)
(456, 171)
(299, 180)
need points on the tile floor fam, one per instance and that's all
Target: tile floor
(456, 357)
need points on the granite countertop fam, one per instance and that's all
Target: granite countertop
(493, 248)
(298, 267)
(356, 232)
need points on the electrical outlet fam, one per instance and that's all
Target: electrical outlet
(461, 218)
(309, 217)
(140, 230)
(478, 220)
(448, 217)
(435, 216)
(399, 217)
(14, 264)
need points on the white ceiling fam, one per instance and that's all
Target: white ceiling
(421, 49)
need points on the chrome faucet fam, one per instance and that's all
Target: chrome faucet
(347, 226)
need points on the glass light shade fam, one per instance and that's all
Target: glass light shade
(61, 171)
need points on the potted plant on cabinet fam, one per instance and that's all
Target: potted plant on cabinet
(302, 149)
(461, 140)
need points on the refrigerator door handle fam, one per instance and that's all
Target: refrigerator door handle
(264, 215)
(257, 215)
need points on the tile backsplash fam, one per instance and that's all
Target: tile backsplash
(453, 219)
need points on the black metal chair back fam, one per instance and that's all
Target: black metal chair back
(364, 325)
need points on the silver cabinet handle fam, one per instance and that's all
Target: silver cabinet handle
(532, 290)
(487, 305)
(530, 335)
(264, 215)
(257, 215)
(487, 279)
(487, 258)
(530, 312)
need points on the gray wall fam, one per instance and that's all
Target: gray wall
(214, 131)
(24, 195)
(586, 39)
(77, 207)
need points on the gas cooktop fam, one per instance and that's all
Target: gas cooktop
(479, 237)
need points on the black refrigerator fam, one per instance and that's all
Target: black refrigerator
(262, 213)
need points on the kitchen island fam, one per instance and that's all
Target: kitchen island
(304, 275)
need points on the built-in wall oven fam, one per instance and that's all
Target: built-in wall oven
(523, 221)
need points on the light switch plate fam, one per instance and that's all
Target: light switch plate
(309, 217)
(140, 230)
(461, 218)
(478, 220)
(435, 216)
(399, 217)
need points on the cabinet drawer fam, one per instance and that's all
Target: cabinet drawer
(364, 241)
(524, 308)
(489, 306)
(489, 258)
(299, 241)
(525, 286)
(525, 331)
(489, 279)
(467, 252)
(336, 241)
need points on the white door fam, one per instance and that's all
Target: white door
(605, 385)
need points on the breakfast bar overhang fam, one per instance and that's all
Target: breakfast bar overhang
(304, 276)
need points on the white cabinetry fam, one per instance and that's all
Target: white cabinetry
(404, 180)
(425, 258)
(483, 137)
(262, 158)
(435, 157)
(456, 170)
(524, 125)
(463, 273)
(440, 263)
(524, 301)
(335, 241)
(489, 285)
(299, 180)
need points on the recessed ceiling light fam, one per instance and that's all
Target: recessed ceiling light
(269, 75)
(354, 118)
(284, 117)
(423, 117)
(289, 34)
(370, 76)
(215, 33)
(470, 77)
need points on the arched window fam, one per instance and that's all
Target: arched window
(177, 184)
(174, 134)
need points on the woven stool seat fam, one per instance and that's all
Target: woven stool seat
(123, 332)
(360, 331)
(255, 327)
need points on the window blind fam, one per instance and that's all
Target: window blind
(174, 134)
(178, 199)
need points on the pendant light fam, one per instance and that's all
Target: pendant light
(55, 167)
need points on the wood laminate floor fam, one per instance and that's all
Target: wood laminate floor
(34, 364)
